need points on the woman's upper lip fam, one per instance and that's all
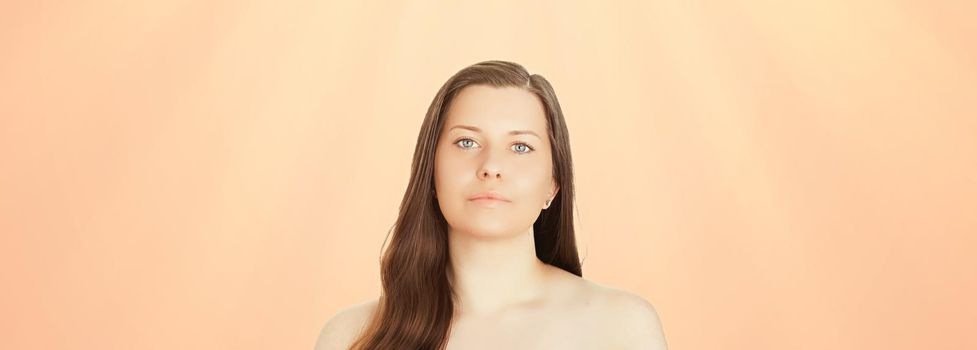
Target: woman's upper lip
(488, 195)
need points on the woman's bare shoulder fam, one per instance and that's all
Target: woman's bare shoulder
(637, 319)
(345, 326)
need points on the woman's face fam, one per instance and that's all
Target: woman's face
(494, 140)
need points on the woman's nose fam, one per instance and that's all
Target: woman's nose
(490, 169)
(486, 173)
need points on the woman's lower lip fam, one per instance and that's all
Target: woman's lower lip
(488, 201)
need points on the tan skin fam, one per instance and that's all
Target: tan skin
(508, 298)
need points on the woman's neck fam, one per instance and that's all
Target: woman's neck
(490, 274)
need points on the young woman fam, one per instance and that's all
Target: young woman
(483, 254)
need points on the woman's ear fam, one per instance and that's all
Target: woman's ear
(554, 189)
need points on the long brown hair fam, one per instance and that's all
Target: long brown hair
(417, 302)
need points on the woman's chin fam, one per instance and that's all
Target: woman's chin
(489, 231)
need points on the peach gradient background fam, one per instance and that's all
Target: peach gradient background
(221, 175)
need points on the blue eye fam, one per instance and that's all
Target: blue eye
(524, 146)
(463, 140)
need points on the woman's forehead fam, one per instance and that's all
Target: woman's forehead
(489, 109)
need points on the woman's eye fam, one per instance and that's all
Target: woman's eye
(465, 143)
(522, 148)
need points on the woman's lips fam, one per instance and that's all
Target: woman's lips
(488, 198)
(489, 202)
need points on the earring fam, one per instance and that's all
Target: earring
(547, 203)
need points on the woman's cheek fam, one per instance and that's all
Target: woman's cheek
(453, 177)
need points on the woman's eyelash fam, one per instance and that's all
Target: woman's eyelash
(463, 139)
(531, 148)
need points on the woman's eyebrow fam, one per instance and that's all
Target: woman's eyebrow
(513, 132)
